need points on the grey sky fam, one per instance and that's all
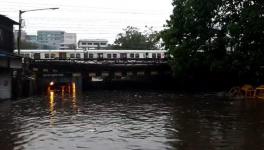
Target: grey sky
(89, 18)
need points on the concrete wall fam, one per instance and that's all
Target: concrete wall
(5, 85)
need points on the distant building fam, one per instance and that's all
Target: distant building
(69, 41)
(56, 40)
(23, 35)
(31, 39)
(93, 44)
(50, 39)
(70, 38)
(9, 63)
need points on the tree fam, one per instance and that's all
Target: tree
(132, 38)
(27, 45)
(213, 37)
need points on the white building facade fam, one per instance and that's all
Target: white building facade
(87, 44)
(69, 42)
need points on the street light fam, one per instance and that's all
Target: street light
(20, 22)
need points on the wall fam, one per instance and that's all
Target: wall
(5, 85)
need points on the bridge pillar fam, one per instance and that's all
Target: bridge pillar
(77, 79)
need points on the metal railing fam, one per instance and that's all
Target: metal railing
(105, 61)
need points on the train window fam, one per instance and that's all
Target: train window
(114, 55)
(72, 56)
(37, 56)
(52, 55)
(137, 55)
(78, 55)
(159, 55)
(109, 56)
(90, 55)
(132, 55)
(46, 55)
(154, 55)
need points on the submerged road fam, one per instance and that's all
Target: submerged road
(131, 119)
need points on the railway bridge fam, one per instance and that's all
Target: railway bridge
(85, 71)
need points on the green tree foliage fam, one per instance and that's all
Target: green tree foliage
(214, 38)
(132, 38)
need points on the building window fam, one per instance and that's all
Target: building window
(90, 55)
(46, 55)
(132, 55)
(103, 43)
(109, 56)
(114, 55)
(96, 44)
(72, 56)
(90, 43)
(78, 55)
(83, 43)
(137, 55)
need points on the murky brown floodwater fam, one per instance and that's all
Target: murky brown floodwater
(119, 120)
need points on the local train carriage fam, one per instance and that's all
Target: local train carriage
(93, 54)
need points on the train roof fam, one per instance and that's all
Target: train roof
(92, 51)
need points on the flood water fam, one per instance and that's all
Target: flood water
(133, 120)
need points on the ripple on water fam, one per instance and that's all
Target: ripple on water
(131, 120)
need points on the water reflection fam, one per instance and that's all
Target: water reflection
(131, 120)
(74, 96)
(51, 106)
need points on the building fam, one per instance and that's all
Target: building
(69, 41)
(93, 44)
(70, 38)
(9, 63)
(50, 39)
(23, 35)
(56, 40)
(31, 39)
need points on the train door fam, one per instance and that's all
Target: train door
(86, 55)
(100, 55)
(36, 56)
(62, 55)
(123, 55)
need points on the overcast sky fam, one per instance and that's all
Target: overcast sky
(89, 18)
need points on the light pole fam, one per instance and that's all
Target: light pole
(20, 22)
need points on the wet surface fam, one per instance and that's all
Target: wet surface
(111, 120)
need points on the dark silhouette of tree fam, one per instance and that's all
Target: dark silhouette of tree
(210, 38)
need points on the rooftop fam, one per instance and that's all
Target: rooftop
(94, 40)
(6, 19)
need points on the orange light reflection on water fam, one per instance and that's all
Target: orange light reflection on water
(74, 102)
(51, 107)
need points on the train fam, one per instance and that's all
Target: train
(93, 54)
